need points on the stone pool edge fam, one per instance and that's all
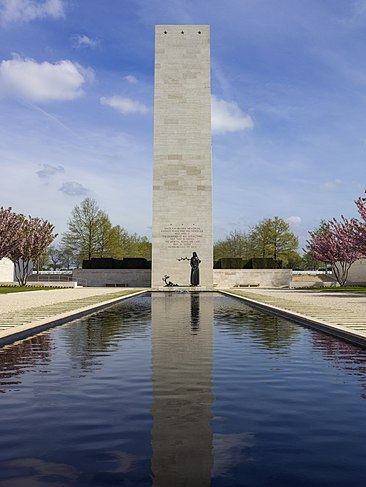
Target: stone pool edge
(27, 330)
(316, 323)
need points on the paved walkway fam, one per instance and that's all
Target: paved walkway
(342, 314)
(26, 313)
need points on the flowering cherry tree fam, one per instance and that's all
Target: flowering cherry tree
(10, 230)
(337, 243)
(35, 236)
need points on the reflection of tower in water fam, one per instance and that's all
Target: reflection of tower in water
(182, 346)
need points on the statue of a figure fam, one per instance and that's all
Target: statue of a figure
(195, 272)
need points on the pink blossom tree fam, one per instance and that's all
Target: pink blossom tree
(337, 242)
(10, 230)
(36, 236)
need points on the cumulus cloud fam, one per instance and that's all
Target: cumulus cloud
(123, 104)
(42, 82)
(72, 188)
(294, 220)
(27, 10)
(226, 116)
(83, 41)
(329, 185)
(49, 171)
(131, 79)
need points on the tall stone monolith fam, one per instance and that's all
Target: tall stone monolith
(182, 186)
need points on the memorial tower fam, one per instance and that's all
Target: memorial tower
(182, 185)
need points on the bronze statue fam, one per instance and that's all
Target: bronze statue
(195, 273)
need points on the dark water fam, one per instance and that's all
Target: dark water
(182, 390)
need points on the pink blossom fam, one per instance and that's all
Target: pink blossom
(10, 230)
(338, 244)
(36, 236)
(23, 240)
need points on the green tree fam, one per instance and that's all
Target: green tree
(310, 263)
(293, 260)
(41, 263)
(272, 238)
(141, 247)
(88, 231)
(67, 258)
(91, 234)
(129, 245)
(235, 245)
(54, 257)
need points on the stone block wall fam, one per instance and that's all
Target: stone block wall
(229, 278)
(112, 277)
(223, 278)
(357, 273)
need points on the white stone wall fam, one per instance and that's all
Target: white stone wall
(357, 273)
(229, 278)
(118, 277)
(182, 186)
(6, 270)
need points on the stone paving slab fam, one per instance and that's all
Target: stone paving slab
(342, 314)
(24, 314)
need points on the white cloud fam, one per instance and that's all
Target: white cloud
(49, 170)
(42, 82)
(27, 10)
(131, 79)
(123, 104)
(72, 188)
(84, 41)
(329, 185)
(294, 220)
(226, 116)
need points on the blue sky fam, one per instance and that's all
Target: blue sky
(289, 107)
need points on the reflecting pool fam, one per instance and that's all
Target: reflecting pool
(182, 389)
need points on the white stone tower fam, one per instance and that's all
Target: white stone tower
(182, 187)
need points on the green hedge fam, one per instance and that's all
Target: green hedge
(109, 263)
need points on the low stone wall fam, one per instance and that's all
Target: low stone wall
(229, 278)
(312, 280)
(223, 278)
(112, 277)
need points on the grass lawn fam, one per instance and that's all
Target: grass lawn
(345, 289)
(17, 289)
